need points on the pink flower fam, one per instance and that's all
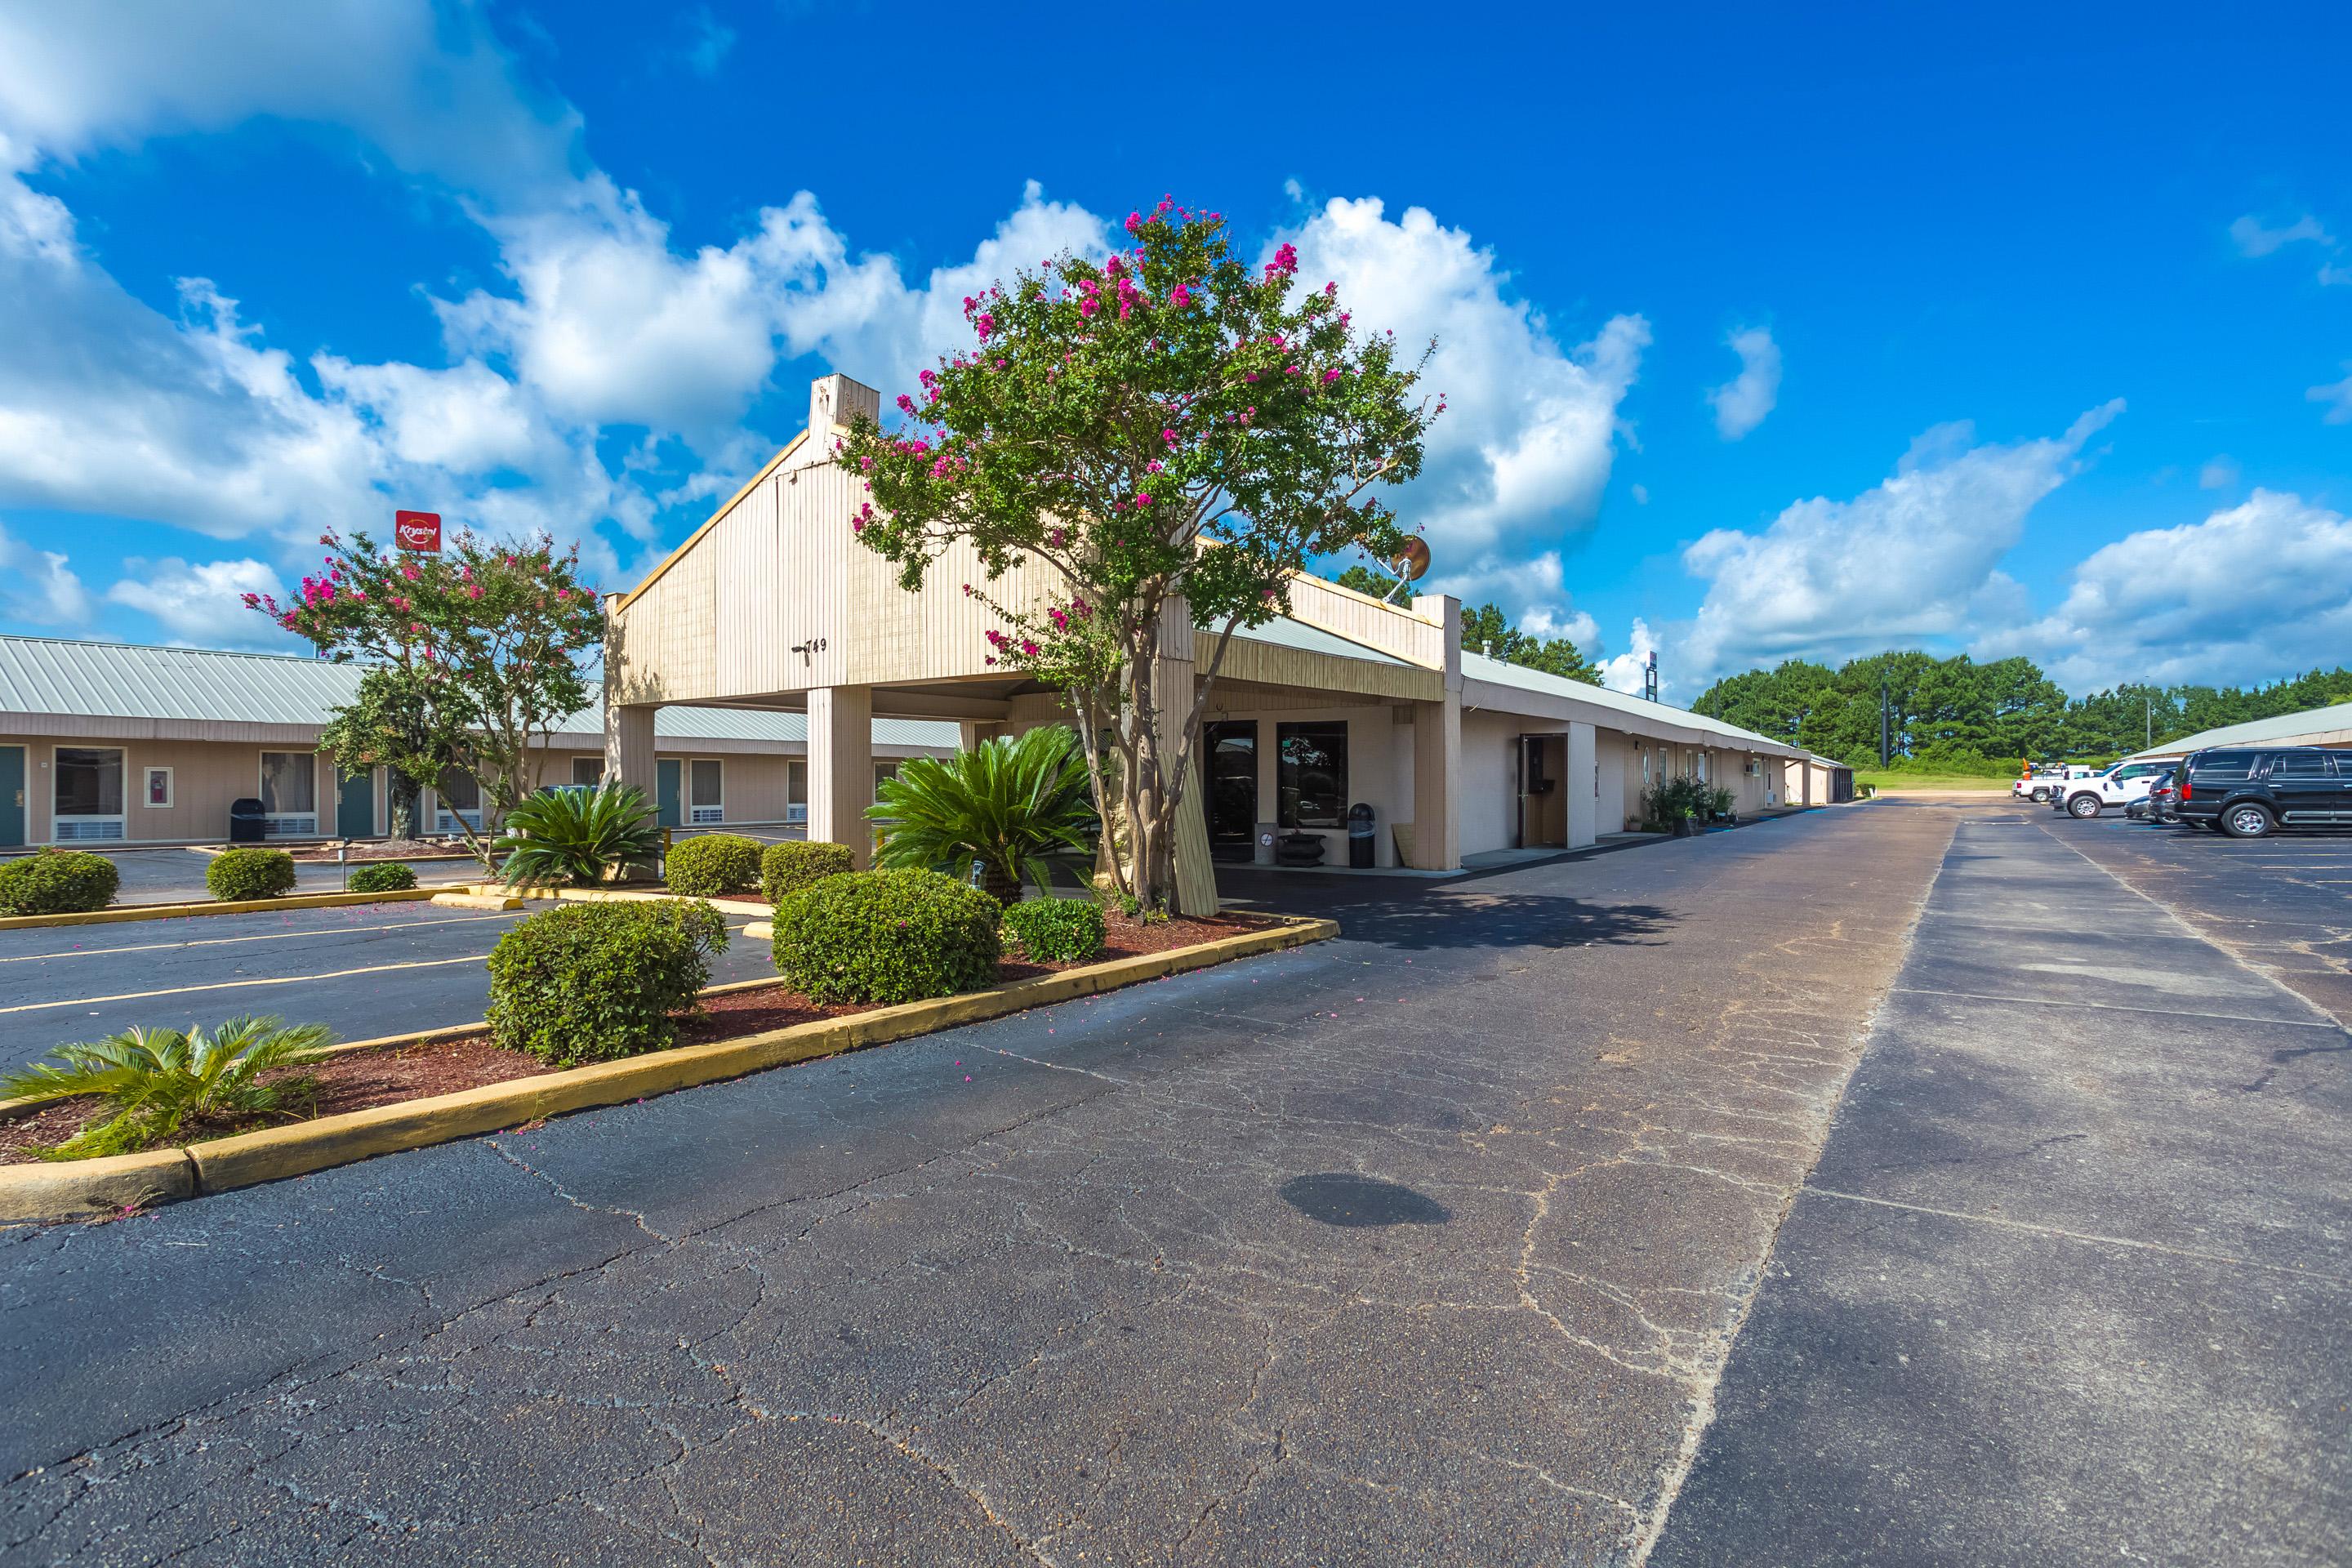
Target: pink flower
(1143, 500)
(1168, 436)
(1329, 376)
(1330, 290)
(409, 571)
(1152, 466)
(1290, 369)
(1284, 262)
(473, 593)
(1180, 296)
(1134, 223)
(905, 403)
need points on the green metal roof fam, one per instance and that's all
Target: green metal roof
(2312, 727)
(127, 681)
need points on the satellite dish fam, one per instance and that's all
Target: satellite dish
(1412, 559)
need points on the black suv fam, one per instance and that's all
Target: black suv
(2247, 792)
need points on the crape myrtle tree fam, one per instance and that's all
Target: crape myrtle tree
(476, 654)
(1164, 432)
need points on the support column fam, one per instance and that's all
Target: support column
(629, 745)
(841, 769)
(1437, 785)
(1582, 785)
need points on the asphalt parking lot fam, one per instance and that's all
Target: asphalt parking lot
(362, 970)
(2281, 904)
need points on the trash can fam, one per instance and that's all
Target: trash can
(248, 822)
(1359, 836)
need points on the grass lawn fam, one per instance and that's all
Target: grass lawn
(1893, 782)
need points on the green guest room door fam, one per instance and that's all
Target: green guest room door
(12, 796)
(666, 789)
(355, 804)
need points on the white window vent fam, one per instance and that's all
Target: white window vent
(83, 829)
(286, 826)
(704, 813)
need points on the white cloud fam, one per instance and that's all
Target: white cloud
(2251, 593)
(202, 604)
(1914, 557)
(2217, 474)
(2337, 396)
(706, 49)
(1741, 402)
(2332, 276)
(38, 586)
(2254, 237)
(1625, 671)
(1525, 446)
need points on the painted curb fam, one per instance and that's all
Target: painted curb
(97, 1189)
(124, 912)
(86, 1189)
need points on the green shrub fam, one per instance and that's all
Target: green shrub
(1055, 930)
(590, 983)
(1019, 805)
(888, 936)
(57, 882)
(384, 877)
(251, 874)
(155, 1080)
(577, 835)
(788, 867)
(711, 863)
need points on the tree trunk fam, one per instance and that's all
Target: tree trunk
(403, 792)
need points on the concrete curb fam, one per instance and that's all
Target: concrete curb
(121, 913)
(94, 1189)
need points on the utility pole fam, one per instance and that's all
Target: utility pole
(1882, 751)
(2149, 703)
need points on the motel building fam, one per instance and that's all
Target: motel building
(108, 743)
(773, 606)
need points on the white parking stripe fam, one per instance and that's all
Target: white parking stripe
(228, 940)
(474, 958)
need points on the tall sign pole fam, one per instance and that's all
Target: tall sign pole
(1883, 752)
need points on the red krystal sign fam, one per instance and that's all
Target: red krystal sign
(417, 530)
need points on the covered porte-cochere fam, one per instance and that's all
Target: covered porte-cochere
(1346, 710)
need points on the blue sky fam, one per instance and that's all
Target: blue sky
(1989, 329)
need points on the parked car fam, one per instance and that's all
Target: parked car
(2046, 783)
(2118, 786)
(2249, 793)
(2159, 804)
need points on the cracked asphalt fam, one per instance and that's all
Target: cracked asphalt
(2073, 1280)
(1492, 1233)
(1424, 1245)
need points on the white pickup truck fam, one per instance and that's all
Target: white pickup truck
(2118, 786)
(2049, 784)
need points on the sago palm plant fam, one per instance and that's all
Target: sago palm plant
(577, 835)
(1018, 805)
(157, 1080)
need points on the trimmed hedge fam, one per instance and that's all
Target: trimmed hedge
(591, 983)
(789, 867)
(251, 874)
(1055, 930)
(57, 882)
(888, 936)
(384, 877)
(711, 863)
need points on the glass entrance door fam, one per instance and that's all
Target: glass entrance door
(1231, 787)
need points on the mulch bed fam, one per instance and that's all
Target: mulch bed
(368, 1079)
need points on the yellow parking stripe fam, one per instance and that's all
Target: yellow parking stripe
(227, 941)
(474, 958)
